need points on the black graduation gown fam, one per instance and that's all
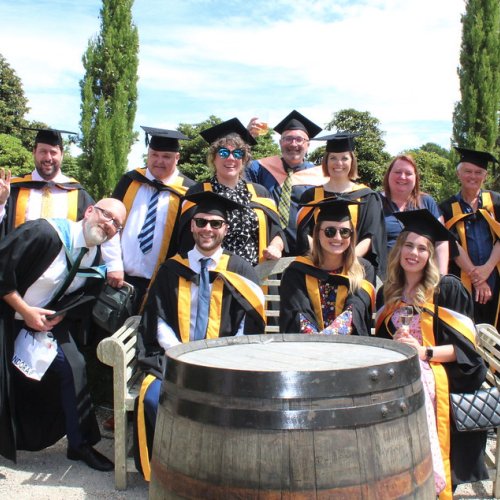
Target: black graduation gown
(466, 374)
(31, 416)
(300, 302)
(269, 224)
(177, 189)
(163, 303)
(9, 221)
(483, 313)
(369, 224)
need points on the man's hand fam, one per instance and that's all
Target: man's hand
(480, 274)
(36, 319)
(5, 176)
(482, 292)
(115, 278)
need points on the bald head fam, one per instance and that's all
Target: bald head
(103, 220)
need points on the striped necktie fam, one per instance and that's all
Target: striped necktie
(147, 232)
(284, 204)
(200, 329)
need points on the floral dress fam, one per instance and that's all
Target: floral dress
(242, 235)
(429, 385)
(340, 325)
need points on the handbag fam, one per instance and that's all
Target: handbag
(476, 411)
(113, 306)
(34, 353)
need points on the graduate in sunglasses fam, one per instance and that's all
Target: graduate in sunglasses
(253, 230)
(340, 166)
(330, 292)
(204, 293)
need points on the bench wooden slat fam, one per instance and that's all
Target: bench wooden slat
(488, 343)
(118, 351)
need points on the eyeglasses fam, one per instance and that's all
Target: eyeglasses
(290, 139)
(224, 153)
(108, 217)
(214, 224)
(331, 231)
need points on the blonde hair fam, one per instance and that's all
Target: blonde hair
(353, 268)
(396, 279)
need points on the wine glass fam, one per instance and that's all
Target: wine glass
(405, 317)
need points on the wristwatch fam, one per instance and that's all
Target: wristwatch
(429, 353)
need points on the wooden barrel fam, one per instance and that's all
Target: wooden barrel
(292, 416)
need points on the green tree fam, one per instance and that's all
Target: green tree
(109, 97)
(265, 146)
(14, 156)
(475, 120)
(13, 103)
(437, 174)
(370, 153)
(193, 160)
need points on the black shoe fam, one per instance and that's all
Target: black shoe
(91, 457)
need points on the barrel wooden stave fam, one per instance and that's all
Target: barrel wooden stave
(193, 459)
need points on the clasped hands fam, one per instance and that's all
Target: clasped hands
(478, 276)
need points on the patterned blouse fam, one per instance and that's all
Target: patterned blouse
(242, 235)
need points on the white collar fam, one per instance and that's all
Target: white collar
(60, 177)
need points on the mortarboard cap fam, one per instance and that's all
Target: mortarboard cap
(50, 135)
(479, 158)
(424, 223)
(208, 202)
(232, 126)
(162, 139)
(339, 142)
(333, 208)
(297, 121)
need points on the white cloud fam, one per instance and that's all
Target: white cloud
(396, 59)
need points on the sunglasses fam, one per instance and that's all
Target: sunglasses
(214, 224)
(331, 231)
(224, 153)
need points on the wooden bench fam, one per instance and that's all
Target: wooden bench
(118, 351)
(488, 346)
(264, 271)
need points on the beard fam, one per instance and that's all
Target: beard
(94, 235)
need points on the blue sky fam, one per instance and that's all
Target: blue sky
(396, 59)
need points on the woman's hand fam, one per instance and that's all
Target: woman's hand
(272, 253)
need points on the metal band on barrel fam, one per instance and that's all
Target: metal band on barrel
(314, 384)
(295, 419)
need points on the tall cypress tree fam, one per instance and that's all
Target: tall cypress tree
(475, 120)
(109, 96)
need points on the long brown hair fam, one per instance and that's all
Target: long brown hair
(396, 279)
(414, 199)
(352, 266)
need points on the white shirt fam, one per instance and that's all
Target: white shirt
(46, 286)
(166, 336)
(34, 205)
(129, 256)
